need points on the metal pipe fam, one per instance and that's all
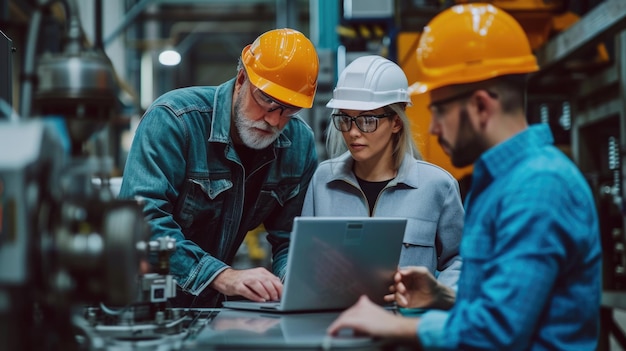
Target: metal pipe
(132, 13)
(98, 43)
(26, 96)
(74, 28)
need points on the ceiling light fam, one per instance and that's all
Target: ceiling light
(169, 57)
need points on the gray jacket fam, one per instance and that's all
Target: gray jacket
(425, 194)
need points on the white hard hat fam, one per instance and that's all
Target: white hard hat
(368, 83)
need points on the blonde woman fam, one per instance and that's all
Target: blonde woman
(376, 170)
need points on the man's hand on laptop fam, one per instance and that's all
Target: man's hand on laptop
(256, 284)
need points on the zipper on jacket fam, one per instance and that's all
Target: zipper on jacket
(367, 204)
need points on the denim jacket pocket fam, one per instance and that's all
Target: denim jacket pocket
(202, 197)
(213, 187)
(272, 196)
(285, 191)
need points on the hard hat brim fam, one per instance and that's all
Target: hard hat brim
(357, 105)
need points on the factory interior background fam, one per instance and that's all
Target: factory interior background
(153, 46)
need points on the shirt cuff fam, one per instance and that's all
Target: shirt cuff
(196, 287)
(431, 332)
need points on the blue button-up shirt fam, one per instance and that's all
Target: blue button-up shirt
(184, 166)
(531, 275)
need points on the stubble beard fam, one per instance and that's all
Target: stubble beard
(469, 145)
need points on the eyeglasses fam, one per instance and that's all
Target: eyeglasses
(365, 123)
(436, 107)
(438, 104)
(271, 105)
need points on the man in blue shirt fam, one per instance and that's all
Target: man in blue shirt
(212, 163)
(531, 245)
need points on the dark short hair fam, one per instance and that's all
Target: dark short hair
(511, 90)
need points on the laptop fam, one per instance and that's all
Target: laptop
(332, 261)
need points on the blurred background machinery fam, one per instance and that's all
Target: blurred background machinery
(66, 242)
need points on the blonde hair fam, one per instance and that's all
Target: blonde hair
(403, 141)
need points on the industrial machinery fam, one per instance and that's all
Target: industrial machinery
(70, 251)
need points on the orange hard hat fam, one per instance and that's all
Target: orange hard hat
(284, 64)
(471, 43)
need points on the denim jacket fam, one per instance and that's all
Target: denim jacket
(183, 165)
(425, 194)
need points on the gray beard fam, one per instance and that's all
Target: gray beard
(247, 133)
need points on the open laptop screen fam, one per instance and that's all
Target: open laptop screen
(334, 260)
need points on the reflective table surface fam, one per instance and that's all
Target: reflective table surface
(232, 329)
(221, 329)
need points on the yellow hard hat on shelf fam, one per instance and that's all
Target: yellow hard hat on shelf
(283, 63)
(471, 43)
